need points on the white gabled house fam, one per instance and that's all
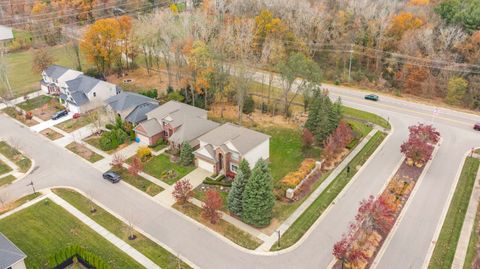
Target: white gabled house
(54, 78)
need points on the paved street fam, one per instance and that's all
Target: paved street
(58, 167)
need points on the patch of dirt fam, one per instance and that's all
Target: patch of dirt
(51, 134)
(81, 150)
(46, 111)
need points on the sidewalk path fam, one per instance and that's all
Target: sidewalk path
(22, 99)
(468, 226)
(130, 251)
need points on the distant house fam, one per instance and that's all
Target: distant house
(175, 123)
(222, 149)
(85, 93)
(6, 33)
(54, 78)
(11, 257)
(131, 107)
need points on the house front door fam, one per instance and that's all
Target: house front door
(220, 162)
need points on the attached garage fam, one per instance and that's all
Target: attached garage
(205, 165)
(143, 139)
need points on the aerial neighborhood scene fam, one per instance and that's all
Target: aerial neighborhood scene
(213, 134)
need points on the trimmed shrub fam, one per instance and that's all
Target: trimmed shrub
(144, 153)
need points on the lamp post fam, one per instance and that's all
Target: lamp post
(33, 186)
(278, 239)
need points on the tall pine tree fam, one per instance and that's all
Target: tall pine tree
(235, 196)
(258, 198)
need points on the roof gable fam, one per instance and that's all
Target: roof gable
(128, 100)
(9, 253)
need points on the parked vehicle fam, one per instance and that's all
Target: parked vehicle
(111, 176)
(476, 126)
(371, 97)
(59, 114)
(76, 115)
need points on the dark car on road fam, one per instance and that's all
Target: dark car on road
(371, 97)
(111, 176)
(476, 126)
(59, 114)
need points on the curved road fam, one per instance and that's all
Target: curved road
(408, 249)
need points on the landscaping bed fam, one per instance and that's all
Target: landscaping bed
(162, 168)
(15, 156)
(51, 134)
(446, 244)
(316, 209)
(4, 168)
(144, 245)
(138, 182)
(45, 228)
(36, 102)
(13, 113)
(75, 124)
(94, 140)
(42, 106)
(7, 180)
(84, 152)
(226, 229)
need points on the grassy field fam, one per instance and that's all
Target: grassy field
(19, 67)
(7, 180)
(17, 203)
(446, 246)
(15, 156)
(157, 165)
(139, 182)
(4, 168)
(472, 243)
(315, 210)
(366, 116)
(45, 228)
(51, 134)
(147, 247)
(228, 230)
(34, 103)
(74, 124)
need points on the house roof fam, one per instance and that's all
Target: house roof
(175, 113)
(82, 85)
(128, 101)
(56, 71)
(192, 128)
(9, 253)
(140, 112)
(242, 139)
(6, 33)
(149, 128)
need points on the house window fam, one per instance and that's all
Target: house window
(233, 167)
(235, 156)
(94, 94)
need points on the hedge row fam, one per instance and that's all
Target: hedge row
(58, 260)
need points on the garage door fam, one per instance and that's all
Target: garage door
(143, 139)
(205, 165)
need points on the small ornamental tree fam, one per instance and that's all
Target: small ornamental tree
(426, 133)
(182, 191)
(329, 148)
(144, 153)
(213, 203)
(135, 167)
(343, 135)
(117, 161)
(186, 154)
(307, 138)
(376, 214)
(258, 198)
(419, 147)
(235, 196)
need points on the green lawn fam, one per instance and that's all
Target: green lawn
(7, 180)
(359, 127)
(160, 164)
(446, 245)
(472, 243)
(45, 228)
(228, 230)
(17, 203)
(15, 156)
(139, 182)
(4, 168)
(74, 124)
(34, 103)
(147, 247)
(315, 210)
(366, 116)
(23, 79)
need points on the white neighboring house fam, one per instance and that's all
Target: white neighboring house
(85, 93)
(222, 149)
(11, 257)
(54, 78)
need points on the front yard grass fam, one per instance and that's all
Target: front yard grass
(446, 245)
(15, 156)
(51, 134)
(74, 124)
(147, 247)
(12, 112)
(473, 242)
(94, 140)
(224, 228)
(34, 103)
(365, 116)
(315, 210)
(158, 166)
(45, 228)
(84, 152)
(4, 168)
(14, 204)
(139, 182)
(7, 180)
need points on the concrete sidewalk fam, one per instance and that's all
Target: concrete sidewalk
(130, 251)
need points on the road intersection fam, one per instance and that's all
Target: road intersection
(411, 241)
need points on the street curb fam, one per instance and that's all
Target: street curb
(443, 216)
(393, 231)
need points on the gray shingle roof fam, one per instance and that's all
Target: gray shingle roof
(6, 33)
(191, 129)
(128, 100)
(177, 112)
(82, 84)
(151, 127)
(9, 253)
(56, 71)
(139, 114)
(243, 139)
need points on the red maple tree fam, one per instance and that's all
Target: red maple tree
(213, 203)
(308, 138)
(135, 167)
(182, 191)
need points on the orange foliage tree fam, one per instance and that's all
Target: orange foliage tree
(403, 22)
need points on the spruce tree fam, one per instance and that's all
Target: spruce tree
(245, 168)
(235, 196)
(258, 198)
(186, 154)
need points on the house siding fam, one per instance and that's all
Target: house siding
(260, 151)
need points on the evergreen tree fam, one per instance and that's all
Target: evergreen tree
(235, 196)
(245, 168)
(258, 198)
(186, 154)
